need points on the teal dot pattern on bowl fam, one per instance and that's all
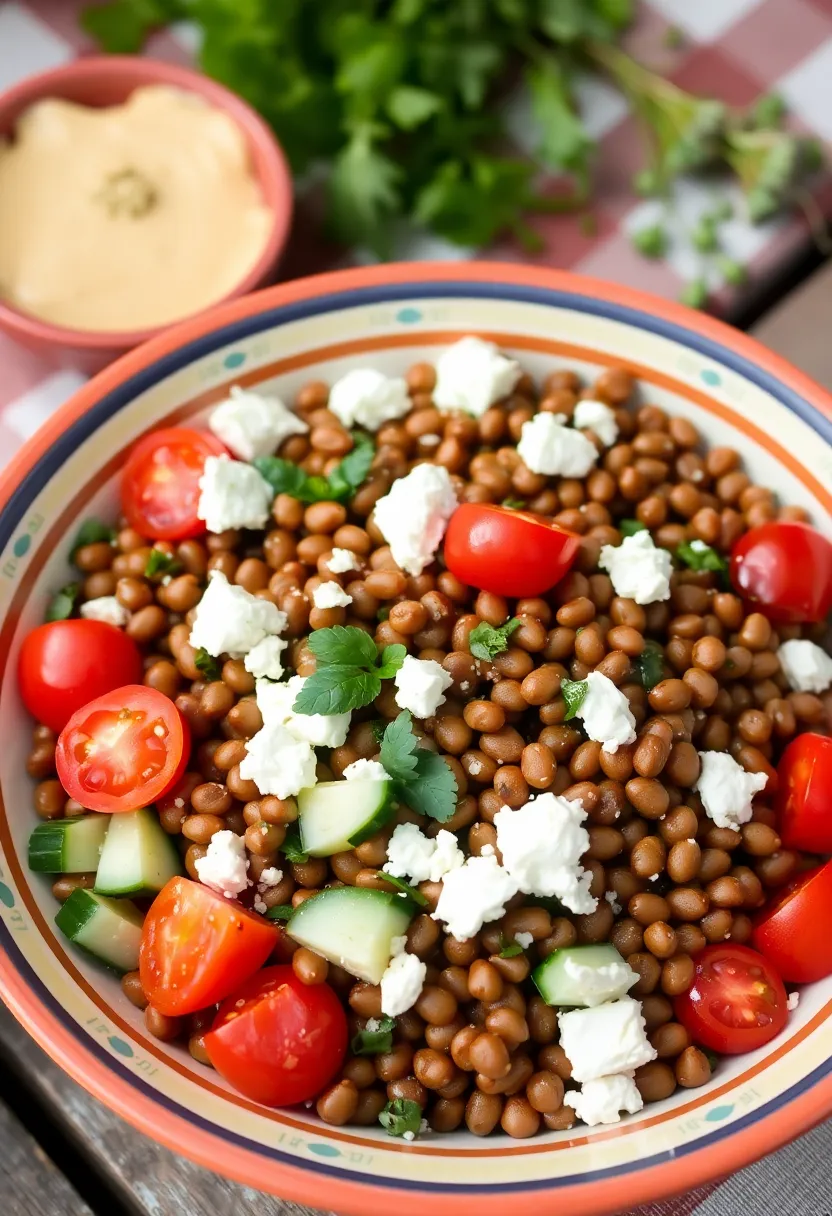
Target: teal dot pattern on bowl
(408, 316)
(21, 545)
(711, 377)
(119, 1045)
(6, 897)
(325, 1150)
(235, 359)
(717, 1113)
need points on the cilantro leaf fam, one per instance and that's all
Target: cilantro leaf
(207, 665)
(509, 948)
(699, 556)
(62, 605)
(629, 527)
(292, 848)
(160, 563)
(392, 658)
(472, 201)
(565, 141)
(421, 778)
(400, 1116)
(280, 912)
(343, 644)
(287, 478)
(123, 26)
(336, 689)
(283, 476)
(574, 693)
(364, 193)
(651, 241)
(91, 532)
(405, 888)
(408, 107)
(352, 471)
(486, 641)
(649, 665)
(398, 748)
(374, 1042)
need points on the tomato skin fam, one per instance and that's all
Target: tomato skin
(736, 1002)
(793, 930)
(198, 947)
(513, 553)
(282, 1020)
(123, 751)
(804, 798)
(65, 664)
(784, 568)
(160, 482)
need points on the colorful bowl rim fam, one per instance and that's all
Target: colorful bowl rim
(275, 180)
(324, 1186)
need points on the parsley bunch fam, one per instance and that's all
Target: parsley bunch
(421, 778)
(350, 671)
(287, 478)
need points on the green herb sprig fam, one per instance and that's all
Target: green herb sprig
(487, 641)
(292, 848)
(400, 1117)
(287, 478)
(698, 556)
(159, 564)
(421, 778)
(91, 532)
(574, 694)
(349, 672)
(62, 605)
(374, 1042)
(207, 665)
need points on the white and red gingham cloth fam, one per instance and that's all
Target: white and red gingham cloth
(732, 49)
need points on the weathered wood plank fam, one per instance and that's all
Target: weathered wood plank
(798, 327)
(30, 1182)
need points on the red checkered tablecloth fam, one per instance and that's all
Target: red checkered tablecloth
(732, 49)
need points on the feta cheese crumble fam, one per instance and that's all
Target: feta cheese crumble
(365, 397)
(330, 595)
(542, 844)
(224, 868)
(278, 763)
(232, 495)
(806, 666)
(413, 517)
(416, 857)
(524, 939)
(403, 980)
(471, 375)
(792, 1001)
(365, 770)
(474, 894)
(343, 560)
(229, 620)
(252, 424)
(421, 685)
(599, 984)
(264, 661)
(276, 704)
(600, 1101)
(612, 900)
(547, 445)
(726, 789)
(105, 608)
(448, 856)
(270, 877)
(606, 1039)
(639, 571)
(606, 714)
(598, 417)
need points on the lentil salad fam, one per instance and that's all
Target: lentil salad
(684, 670)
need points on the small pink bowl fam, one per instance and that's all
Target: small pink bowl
(109, 80)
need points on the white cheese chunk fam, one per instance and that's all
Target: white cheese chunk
(421, 685)
(403, 980)
(792, 1001)
(229, 620)
(547, 445)
(270, 877)
(264, 660)
(598, 417)
(278, 763)
(409, 853)
(343, 560)
(599, 984)
(806, 666)
(607, 1039)
(471, 375)
(726, 789)
(638, 569)
(524, 939)
(105, 608)
(224, 868)
(413, 517)
(276, 704)
(232, 495)
(542, 844)
(252, 424)
(330, 595)
(606, 714)
(474, 894)
(365, 397)
(447, 856)
(365, 770)
(601, 1100)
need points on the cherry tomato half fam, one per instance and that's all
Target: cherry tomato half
(160, 483)
(277, 1040)
(736, 1002)
(65, 664)
(197, 947)
(123, 750)
(514, 553)
(785, 569)
(793, 931)
(804, 799)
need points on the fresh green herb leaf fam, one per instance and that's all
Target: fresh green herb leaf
(207, 665)
(486, 641)
(364, 192)
(160, 563)
(91, 532)
(405, 888)
(292, 849)
(400, 1116)
(732, 271)
(711, 1057)
(280, 912)
(421, 778)
(629, 527)
(283, 476)
(694, 293)
(574, 693)
(336, 689)
(376, 1041)
(343, 644)
(399, 746)
(768, 111)
(62, 605)
(377, 726)
(703, 237)
(408, 107)
(566, 143)
(699, 556)
(651, 242)
(123, 26)
(353, 470)
(513, 504)
(649, 665)
(648, 183)
(392, 658)
(509, 948)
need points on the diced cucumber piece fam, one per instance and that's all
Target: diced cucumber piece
(68, 846)
(108, 929)
(337, 815)
(138, 857)
(583, 976)
(353, 927)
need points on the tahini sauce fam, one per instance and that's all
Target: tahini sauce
(129, 216)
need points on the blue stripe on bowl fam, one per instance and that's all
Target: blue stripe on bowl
(115, 400)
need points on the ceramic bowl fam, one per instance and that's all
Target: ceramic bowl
(735, 392)
(108, 80)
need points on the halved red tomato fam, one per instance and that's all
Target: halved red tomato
(514, 553)
(197, 947)
(277, 1040)
(784, 568)
(793, 931)
(160, 483)
(804, 799)
(65, 664)
(736, 1002)
(123, 750)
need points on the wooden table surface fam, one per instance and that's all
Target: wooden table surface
(64, 1154)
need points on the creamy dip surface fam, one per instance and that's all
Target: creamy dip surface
(129, 216)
